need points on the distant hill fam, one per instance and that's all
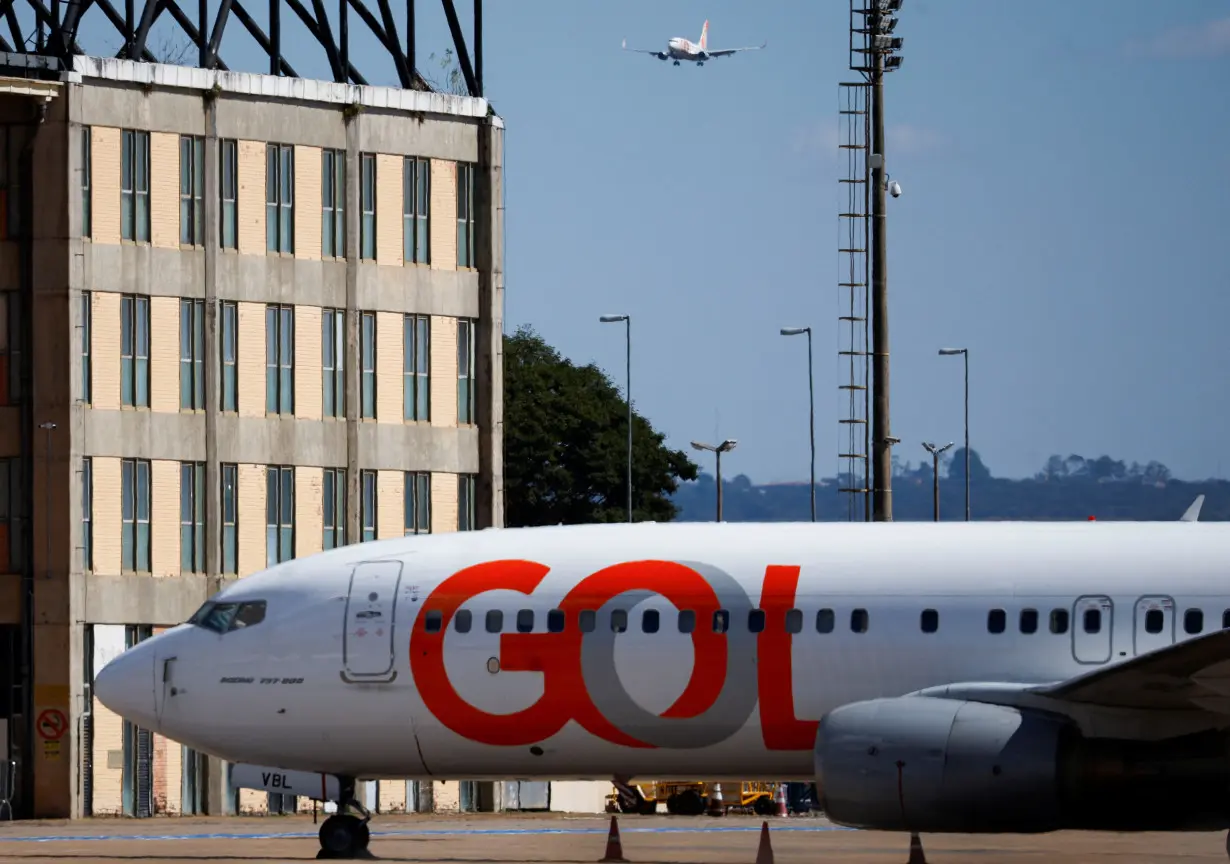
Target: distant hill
(1066, 489)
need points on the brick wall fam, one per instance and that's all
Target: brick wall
(388, 367)
(164, 353)
(250, 209)
(105, 178)
(443, 371)
(105, 351)
(308, 205)
(164, 517)
(251, 359)
(309, 510)
(164, 190)
(442, 223)
(251, 519)
(388, 209)
(309, 400)
(443, 503)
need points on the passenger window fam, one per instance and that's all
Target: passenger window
(997, 621)
(858, 620)
(794, 621)
(433, 620)
(587, 621)
(495, 620)
(1093, 620)
(650, 621)
(1193, 621)
(1029, 620)
(929, 621)
(525, 621)
(249, 614)
(619, 620)
(462, 620)
(825, 620)
(755, 620)
(1059, 621)
(555, 621)
(687, 621)
(1154, 621)
(721, 621)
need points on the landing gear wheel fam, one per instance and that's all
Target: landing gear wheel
(688, 803)
(1228, 843)
(342, 835)
(764, 806)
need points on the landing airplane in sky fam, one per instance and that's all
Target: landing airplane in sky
(955, 677)
(678, 49)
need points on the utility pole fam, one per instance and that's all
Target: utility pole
(718, 449)
(964, 352)
(627, 319)
(935, 473)
(811, 402)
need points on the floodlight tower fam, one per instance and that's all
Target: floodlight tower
(874, 53)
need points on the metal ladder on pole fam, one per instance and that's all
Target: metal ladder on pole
(853, 323)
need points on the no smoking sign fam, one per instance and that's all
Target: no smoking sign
(52, 724)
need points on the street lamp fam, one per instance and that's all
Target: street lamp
(811, 400)
(964, 352)
(614, 319)
(47, 427)
(935, 473)
(719, 449)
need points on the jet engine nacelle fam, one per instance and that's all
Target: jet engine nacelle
(936, 765)
(939, 765)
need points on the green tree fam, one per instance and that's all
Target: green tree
(565, 444)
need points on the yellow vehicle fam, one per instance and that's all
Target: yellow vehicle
(692, 797)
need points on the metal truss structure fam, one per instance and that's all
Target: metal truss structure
(57, 27)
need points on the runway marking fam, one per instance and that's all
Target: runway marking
(428, 832)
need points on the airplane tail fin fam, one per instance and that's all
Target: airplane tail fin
(704, 37)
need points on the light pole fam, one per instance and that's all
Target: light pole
(935, 473)
(811, 400)
(964, 352)
(627, 319)
(47, 427)
(719, 449)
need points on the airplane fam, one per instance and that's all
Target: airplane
(964, 677)
(678, 48)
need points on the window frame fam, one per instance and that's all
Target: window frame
(87, 335)
(465, 216)
(228, 479)
(228, 194)
(367, 366)
(135, 477)
(416, 491)
(12, 346)
(333, 370)
(334, 499)
(191, 355)
(192, 517)
(369, 506)
(134, 171)
(87, 188)
(87, 514)
(367, 207)
(279, 514)
(333, 215)
(467, 401)
(279, 199)
(416, 210)
(416, 368)
(13, 514)
(280, 360)
(135, 314)
(467, 504)
(192, 191)
(228, 343)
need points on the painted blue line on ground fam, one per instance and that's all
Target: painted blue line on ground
(429, 832)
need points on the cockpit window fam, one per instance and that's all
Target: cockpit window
(224, 617)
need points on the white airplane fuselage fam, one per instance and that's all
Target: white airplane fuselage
(679, 48)
(366, 665)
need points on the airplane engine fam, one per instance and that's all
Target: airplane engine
(936, 765)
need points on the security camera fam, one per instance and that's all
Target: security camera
(894, 189)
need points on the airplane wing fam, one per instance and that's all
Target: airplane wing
(661, 55)
(726, 52)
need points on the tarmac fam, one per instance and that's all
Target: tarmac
(549, 837)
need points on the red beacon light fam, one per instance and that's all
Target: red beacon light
(1093, 518)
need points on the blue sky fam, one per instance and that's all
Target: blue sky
(1066, 202)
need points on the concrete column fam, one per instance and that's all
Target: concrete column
(489, 350)
(352, 216)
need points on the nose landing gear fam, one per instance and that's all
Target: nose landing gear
(345, 835)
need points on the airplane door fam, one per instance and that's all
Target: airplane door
(371, 611)
(1092, 625)
(165, 690)
(1154, 626)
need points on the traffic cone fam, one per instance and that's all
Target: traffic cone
(782, 809)
(917, 856)
(614, 849)
(717, 807)
(764, 855)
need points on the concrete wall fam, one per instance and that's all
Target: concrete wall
(65, 265)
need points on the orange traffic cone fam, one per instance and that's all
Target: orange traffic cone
(614, 849)
(764, 855)
(782, 809)
(917, 856)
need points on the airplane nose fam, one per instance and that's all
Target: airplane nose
(126, 686)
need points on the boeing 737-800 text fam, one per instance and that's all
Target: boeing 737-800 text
(679, 49)
(966, 677)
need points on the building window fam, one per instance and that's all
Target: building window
(192, 355)
(134, 187)
(191, 190)
(368, 479)
(87, 169)
(192, 517)
(467, 509)
(333, 362)
(367, 207)
(12, 516)
(11, 342)
(333, 204)
(134, 351)
(465, 214)
(417, 502)
(87, 514)
(367, 368)
(230, 354)
(228, 192)
(465, 370)
(134, 515)
(280, 514)
(230, 519)
(279, 198)
(415, 196)
(279, 360)
(12, 141)
(87, 314)
(415, 366)
(335, 508)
